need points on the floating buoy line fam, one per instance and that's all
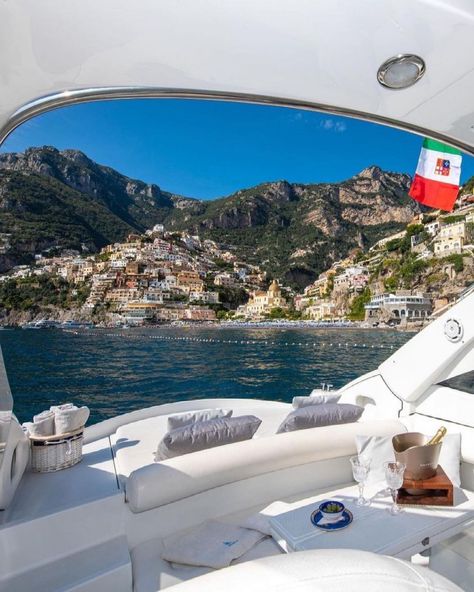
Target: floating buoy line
(188, 339)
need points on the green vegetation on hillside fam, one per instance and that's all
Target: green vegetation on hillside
(41, 213)
(34, 293)
(293, 231)
(231, 297)
(456, 260)
(468, 187)
(283, 313)
(402, 268)
(357, 310)
(453, 218)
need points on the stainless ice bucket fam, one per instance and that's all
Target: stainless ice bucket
(421, 461)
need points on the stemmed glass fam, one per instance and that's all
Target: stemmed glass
(360, 470)
(394, 475)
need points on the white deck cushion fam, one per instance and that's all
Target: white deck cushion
(450, 457)
(161, 483)
(377, 450)
(329, 570)
(135, 443)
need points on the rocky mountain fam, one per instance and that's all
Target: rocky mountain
(131, 200)
(296, 230)
(62, 199)
(51, 198)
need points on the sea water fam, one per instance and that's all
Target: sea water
(116, 371)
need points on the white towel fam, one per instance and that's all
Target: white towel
(212, 544)
(62, 407)
(44, 422)
(43, 415)
(70, 419)
(38, 429)
(261, 520)
(42, 425)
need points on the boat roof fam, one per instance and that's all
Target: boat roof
(305, 53)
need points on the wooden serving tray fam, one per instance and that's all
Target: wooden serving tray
(438, 491)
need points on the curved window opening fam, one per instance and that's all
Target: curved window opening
(230, 238)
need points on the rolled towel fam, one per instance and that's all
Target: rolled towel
(68, 420)
(62, 407)
(46, 417)
(42, 424)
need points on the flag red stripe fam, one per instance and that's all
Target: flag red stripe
(433, 194)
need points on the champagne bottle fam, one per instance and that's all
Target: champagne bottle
(440, 434)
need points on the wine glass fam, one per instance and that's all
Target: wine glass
(360, 470)
(394, 475)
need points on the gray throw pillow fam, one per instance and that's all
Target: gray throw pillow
(318, 399)
(178, 420)
(207, 434)
(317, 416)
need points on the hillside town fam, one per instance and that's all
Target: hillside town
(155, 277)
(436, 252)
(162, 277)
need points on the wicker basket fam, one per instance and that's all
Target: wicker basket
(53, 453)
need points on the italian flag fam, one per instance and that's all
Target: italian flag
(436, 181)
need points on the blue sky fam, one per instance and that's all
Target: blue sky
(208, 149)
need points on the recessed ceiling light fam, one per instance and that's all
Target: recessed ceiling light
(401, 71)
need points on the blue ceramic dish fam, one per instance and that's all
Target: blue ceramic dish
(332, 510)
(319, 521)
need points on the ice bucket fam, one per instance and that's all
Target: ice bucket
(421, 461)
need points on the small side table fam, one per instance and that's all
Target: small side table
(413, 531)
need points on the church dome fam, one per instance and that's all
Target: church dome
(274, 287)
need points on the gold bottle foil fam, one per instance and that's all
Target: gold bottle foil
(440, 434)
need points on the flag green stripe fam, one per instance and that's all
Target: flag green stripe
(439, 146)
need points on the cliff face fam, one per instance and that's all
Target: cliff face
(130, 199)
(51, 198)
(299, 230)
(371, 198)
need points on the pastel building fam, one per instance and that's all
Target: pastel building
(321, 310)
(262, 302)
(225, 279)
(398, 306)
(448, 246)
(352, 279)
(432, 228)
(454, 230)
